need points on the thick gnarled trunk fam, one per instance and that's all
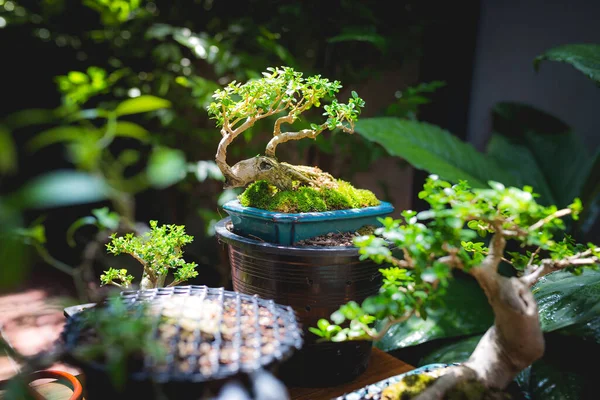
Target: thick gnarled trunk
(513, 343)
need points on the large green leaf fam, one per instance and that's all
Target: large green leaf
(466, 311)
(60, 188)
(434, 150)
(165, 167)
(586, 330)
(456, 352)
(552, 380)
(518, 159)
(584, 57)
(141, 104)
(565, 299)
(590, 194)
(562, 160)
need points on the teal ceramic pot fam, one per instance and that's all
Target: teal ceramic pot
(287, 229)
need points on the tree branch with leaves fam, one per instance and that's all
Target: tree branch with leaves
(287, 94)
(467, 229)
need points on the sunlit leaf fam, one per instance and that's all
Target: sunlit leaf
(141, 104)
(60, 188)
(166, 167)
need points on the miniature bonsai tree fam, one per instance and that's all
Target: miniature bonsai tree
(283, 93)
(158, 250)
(452, 235)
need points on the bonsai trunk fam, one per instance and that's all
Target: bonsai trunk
(148, 283)
(513, 343)
(280, 174)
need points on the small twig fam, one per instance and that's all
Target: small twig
(544, 221)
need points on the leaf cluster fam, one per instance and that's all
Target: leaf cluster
(158, 250)
(283, 89)
(450, 234)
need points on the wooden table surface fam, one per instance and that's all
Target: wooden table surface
(381, 366)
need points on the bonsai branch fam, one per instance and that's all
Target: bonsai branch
(548, 265)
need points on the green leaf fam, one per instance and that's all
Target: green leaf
(8, 152)
(584, 57)
(30, 117)
(456, 352)
(518, 160)
(590, 194)
(83, 221)
(565, 299)
(560, 155)
(106, 218)
(465, 311)
(555, 381)
(130, 129)
(434, 150)
(141, 104)
(166, 167)
(368, 37)
(60, 188)
(59, 134)
(587, 330)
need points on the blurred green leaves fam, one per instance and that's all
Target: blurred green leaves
(60, 188)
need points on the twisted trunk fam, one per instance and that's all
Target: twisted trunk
(513, 343)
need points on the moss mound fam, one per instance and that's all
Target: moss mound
(306, 199)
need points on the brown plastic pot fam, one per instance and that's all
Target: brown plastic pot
(315, 281)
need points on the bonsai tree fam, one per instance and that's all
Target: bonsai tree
(286, 94)
(468, 229)
(158, 250)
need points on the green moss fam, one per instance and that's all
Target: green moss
(306, 199)
(409, 387)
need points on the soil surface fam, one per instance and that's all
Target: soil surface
(342, 239)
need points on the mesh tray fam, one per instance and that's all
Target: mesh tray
(209, 333)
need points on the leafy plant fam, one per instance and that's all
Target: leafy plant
(524, 149)
(120, 335)
(158, 250)
(453, 234)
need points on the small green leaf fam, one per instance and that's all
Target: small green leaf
(75, 226)
(141, 104)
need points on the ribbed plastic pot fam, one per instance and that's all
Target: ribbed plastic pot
(315, 281)
(286, 229)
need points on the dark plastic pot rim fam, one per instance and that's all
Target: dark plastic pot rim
(225, 235)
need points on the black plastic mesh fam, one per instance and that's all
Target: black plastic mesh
(211, 333)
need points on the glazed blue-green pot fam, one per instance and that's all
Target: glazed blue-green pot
(287, 229)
